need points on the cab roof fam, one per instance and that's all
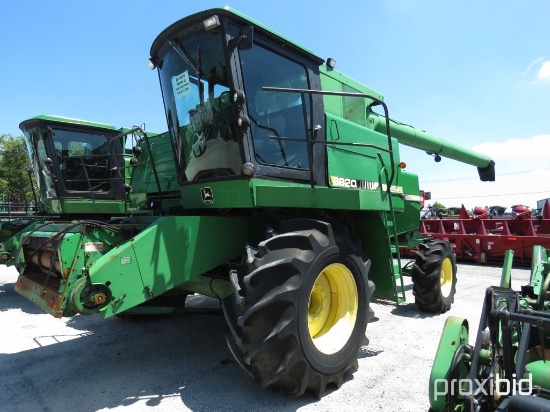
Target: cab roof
(235, 16)
(65, 120)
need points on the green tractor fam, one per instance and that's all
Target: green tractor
(291, 205)
(507, 368)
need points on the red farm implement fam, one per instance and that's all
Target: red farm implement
(482, 238)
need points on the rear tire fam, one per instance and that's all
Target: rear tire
(298, 316)
(434, 276)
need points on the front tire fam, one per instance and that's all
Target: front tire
(298, 316)
(434, 276)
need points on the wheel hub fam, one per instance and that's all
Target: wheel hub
(332, 308)
(446, 277)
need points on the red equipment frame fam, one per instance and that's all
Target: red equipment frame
(485, 240)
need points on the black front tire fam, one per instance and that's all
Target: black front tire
(282, 330)
(434, 276)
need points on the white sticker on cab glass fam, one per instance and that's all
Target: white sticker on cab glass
(180, 84)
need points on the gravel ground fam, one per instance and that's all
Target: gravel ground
(181, 363)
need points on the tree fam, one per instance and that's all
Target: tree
(13, 158)
(439, 206)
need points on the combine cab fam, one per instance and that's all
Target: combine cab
(290, 203)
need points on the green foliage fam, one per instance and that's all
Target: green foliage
(13, 158)
(438, 205)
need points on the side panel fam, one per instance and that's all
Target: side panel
(455, 333)
(355, 162)
(408, 218)
(270, 193)
(373, 234)
(142, 176)
(84, 206)
(168, 253)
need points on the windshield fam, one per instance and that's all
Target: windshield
(42, 171)
(73, 161)
(83, 159)
(200, 116)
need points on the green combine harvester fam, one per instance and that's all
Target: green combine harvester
(507, 367)
(290, 205)
(55, 146)
(82, 171)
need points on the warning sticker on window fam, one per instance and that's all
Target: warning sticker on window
(180, 84)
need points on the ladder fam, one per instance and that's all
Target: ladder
(388, 218)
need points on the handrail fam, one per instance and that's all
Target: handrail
(312, 131)
(151, 160)
(23, 189)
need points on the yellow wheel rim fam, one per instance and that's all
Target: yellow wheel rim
(332, 308)
(446, 277)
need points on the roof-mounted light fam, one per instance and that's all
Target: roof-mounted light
(211, 23)
(151, 63)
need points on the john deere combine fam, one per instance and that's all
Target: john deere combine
(85, 182)
(507, 368)
(291, 206)
(73, 161)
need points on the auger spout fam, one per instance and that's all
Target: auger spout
(432, 144)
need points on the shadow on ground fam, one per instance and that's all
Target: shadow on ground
(179, 362)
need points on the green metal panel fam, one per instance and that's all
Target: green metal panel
(360, 163)
(168, 253)
(540, 269)
(225, 194)
(407, 216)
(84, 206)
(271, 193)
(142, 177)
(538, 373)
(374, 236)
(506, 276)
(455, 333)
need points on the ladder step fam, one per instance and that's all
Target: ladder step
(396, 271)
(399, 287)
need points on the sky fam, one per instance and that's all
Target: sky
(475, 73)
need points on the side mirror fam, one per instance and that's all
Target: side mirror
(245, 40)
